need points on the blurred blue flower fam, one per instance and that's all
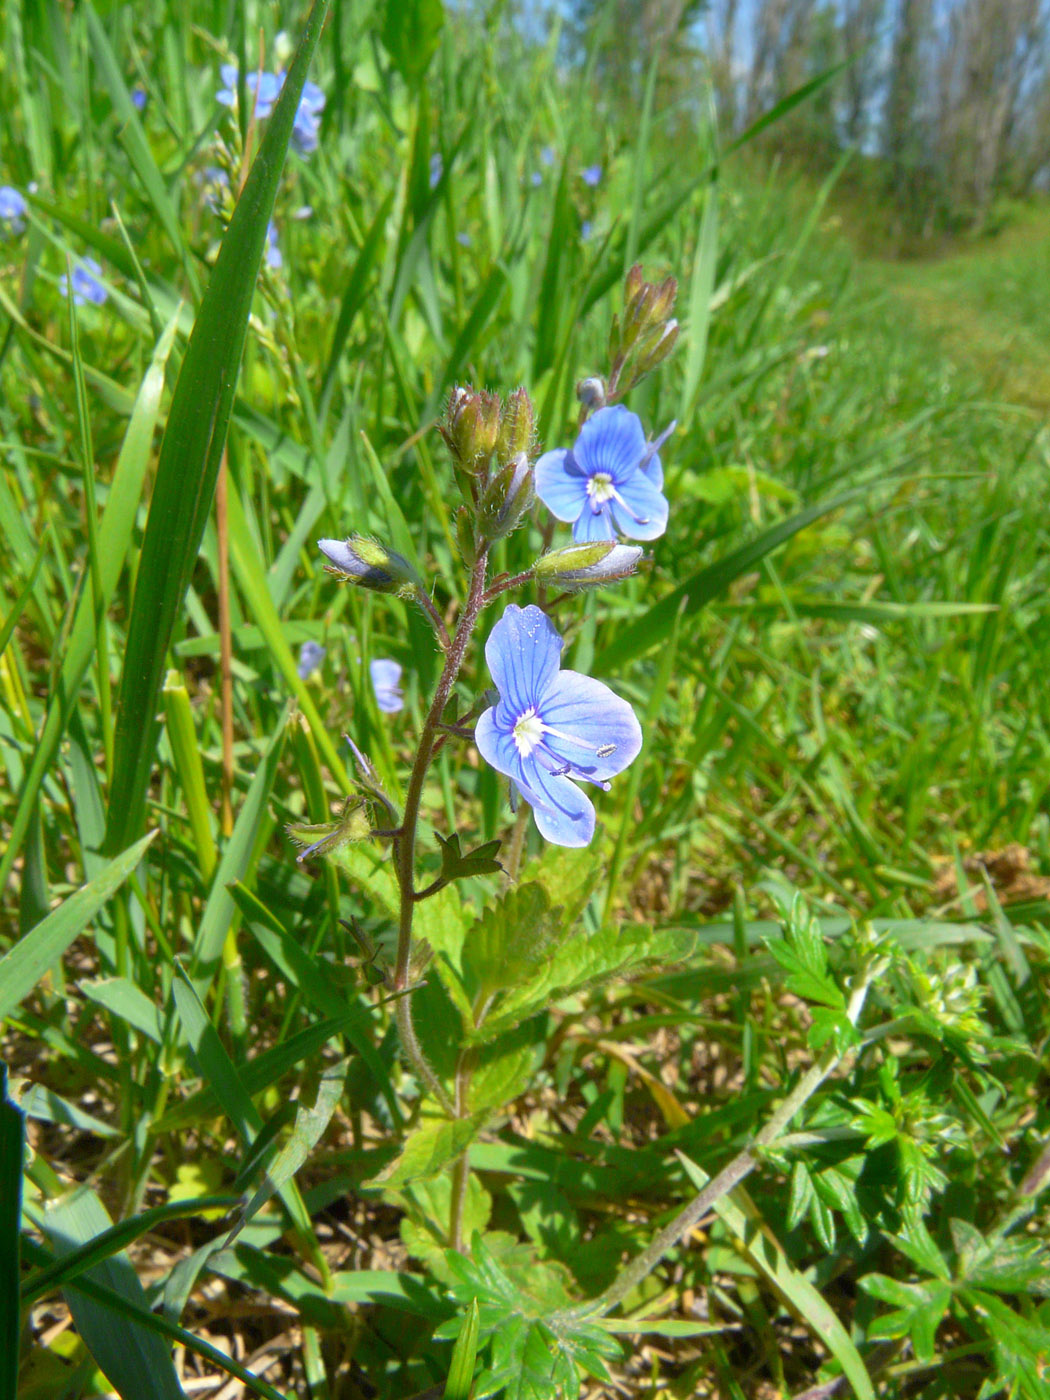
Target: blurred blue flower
(591, 175)
(547, 155)
(213, 180)
(139, 98)
(551, 728)
(586, 229)
(537, 178)
(13, 209)
(386, 682)
(609, 481)
(274, 258)
(86, 286)
(311, 654)
(463, 239)
(266, 88)
(437, 169)
(307, 126)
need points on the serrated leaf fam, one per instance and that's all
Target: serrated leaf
(457, 865)
(801, 1197)
(505, 1066)
(429, 1150)
(918, 1310)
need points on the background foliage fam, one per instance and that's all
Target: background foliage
(837, 652)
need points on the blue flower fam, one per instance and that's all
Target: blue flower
(274, 257)
(311, 654)
(86, 286)
(608, 482)
(547, 155)
(463, 239)
(13, 209)
(591, 175)
(213, 180)
(386, 682)
(437, 169)
(551, 729)
(307, 125)
(537, 178)
(586, 229)
(265, 86)
(139, 98)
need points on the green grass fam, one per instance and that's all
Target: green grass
(837, 652)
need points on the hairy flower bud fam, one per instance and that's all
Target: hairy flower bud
(587, 565)
(509, 496)
(515, 428)
(655, 348)
(370, 564)
(471, 427)
(591, 392)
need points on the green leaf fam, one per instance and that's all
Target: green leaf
(411, 30)
(133, 1358)
(191, 453)
(22, 968)
(918, 1310)
(428, 1150)
(114, 537)
(767, 1255)
(464, 1354)
(12, 1136)
(457, 866)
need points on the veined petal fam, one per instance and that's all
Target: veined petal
(496, 745)
(562, 490)
(641, 511)
(523, 654)
(584, 720)
(613, 441)
(564, 815)
(593, 525)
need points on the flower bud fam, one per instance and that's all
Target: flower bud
(509, 495)
(515, 428)
(591, 392)
(655, 348)
(636, 316)
(586, 565)
(471, 427)
(369, 563)
(633, 284)
(283, 50)
(663, 301)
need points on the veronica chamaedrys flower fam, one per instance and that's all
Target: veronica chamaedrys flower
(265, 87)
(437, 169)
(307, 126)
(547, 155)
(86, 286)
(608, 482)
(139, 98)
(591, 175)
(551, 728)
(386, 682)
(13, 209)
(274, 256)
(311, 654)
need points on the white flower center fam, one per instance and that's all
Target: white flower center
(528, 732)
(600, 488)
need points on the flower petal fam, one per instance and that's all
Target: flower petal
(562, 490)
(584, 709)
(613, 441)
(523, 654)
(593, 525)
(641, 511)
(564, 815)
(651, 464)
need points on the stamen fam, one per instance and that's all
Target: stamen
(638, 519)
(604, 750)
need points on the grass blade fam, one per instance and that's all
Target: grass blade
(191, 453)
(12, 1132)
(22, 968)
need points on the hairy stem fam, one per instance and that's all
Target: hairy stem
(405, 843)
(731, 1175)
